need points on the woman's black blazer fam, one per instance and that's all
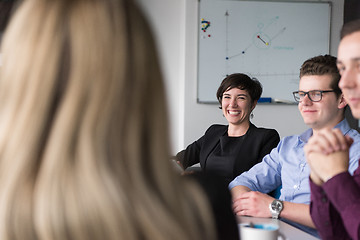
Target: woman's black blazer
(256, 144)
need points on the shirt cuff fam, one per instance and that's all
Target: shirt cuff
(317, 192)
(233, 184)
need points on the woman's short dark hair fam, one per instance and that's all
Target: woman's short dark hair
(243, 82)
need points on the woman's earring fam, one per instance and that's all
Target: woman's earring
(251, 115)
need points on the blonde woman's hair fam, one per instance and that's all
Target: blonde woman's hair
(83, 129)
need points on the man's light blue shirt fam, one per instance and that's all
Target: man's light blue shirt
(286, 165)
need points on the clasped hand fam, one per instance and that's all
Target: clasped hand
(327, 153)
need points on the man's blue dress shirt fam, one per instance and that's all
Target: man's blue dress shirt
(286, 165)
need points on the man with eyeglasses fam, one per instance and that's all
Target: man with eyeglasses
(321, 105)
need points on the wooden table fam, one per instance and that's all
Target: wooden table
(290, 232)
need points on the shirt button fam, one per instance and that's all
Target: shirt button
(295, 186)
(324, 199)
(302, 165)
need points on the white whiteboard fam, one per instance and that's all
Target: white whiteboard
(266, 40)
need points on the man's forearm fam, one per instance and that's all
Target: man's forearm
(297, 212)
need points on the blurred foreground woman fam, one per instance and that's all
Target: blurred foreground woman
(83, 129)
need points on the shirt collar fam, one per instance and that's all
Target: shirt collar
(343, 126)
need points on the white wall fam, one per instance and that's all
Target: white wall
(175, 24)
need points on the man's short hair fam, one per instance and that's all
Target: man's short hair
(322, 65)
(349, 28)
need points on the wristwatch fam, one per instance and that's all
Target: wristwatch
(275, 208)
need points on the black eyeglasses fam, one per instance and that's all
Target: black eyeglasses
(314, 95)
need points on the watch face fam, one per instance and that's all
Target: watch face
(276, 205)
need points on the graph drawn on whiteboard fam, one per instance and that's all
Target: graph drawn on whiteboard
(266, 40)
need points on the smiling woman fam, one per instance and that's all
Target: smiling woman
(237, 106)
(228, 150)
